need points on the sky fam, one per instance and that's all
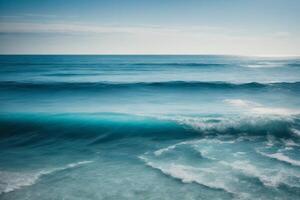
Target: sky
(235, 27)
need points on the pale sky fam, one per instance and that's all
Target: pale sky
(241, 27)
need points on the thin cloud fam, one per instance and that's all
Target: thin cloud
(75, 29)
(20, 27)
(34, 15)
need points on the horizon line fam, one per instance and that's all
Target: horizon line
(139, 54)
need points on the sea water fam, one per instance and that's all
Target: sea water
(149, 127)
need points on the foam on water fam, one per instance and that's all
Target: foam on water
(203, 127)
(269, 177)
(231, 165)
(189, 174)
(11, 181)
(295, 131)
(281, 157)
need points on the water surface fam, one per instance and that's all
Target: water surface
(149, 127)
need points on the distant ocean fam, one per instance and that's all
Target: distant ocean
(149, 127)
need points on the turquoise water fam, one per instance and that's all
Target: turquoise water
(149, 127)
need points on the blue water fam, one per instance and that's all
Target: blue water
(149, 127)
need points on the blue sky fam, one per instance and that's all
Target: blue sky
(256, 27)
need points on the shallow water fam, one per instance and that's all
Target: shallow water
(149, 127)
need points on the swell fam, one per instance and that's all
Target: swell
(101, 64)
(182, 64)
(19, 130)
(160, 85)
(72, 74)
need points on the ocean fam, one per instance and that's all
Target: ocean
(149, 127)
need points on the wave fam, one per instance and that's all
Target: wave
(294, 64)
(98, 129)
(101, 64)
(11, 181)
(158, 85)
(73, 74)
(256, 125)
(182, 64)
(281, 157)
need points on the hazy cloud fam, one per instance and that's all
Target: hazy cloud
(23, 27)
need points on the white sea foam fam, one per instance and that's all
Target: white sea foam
(271, 141)
(163, 150)
(239, 153)
(208, 177)
(189, 174)
(194, 144)
(174, 146)
(281, 157)
(208, 125)
(169, 148)
(11, 181)
(77, 164)
(214, 141)
(290, 143)
(213, 124)
(268, 179)
(204, 124)
(195, 122)
(295, 131)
